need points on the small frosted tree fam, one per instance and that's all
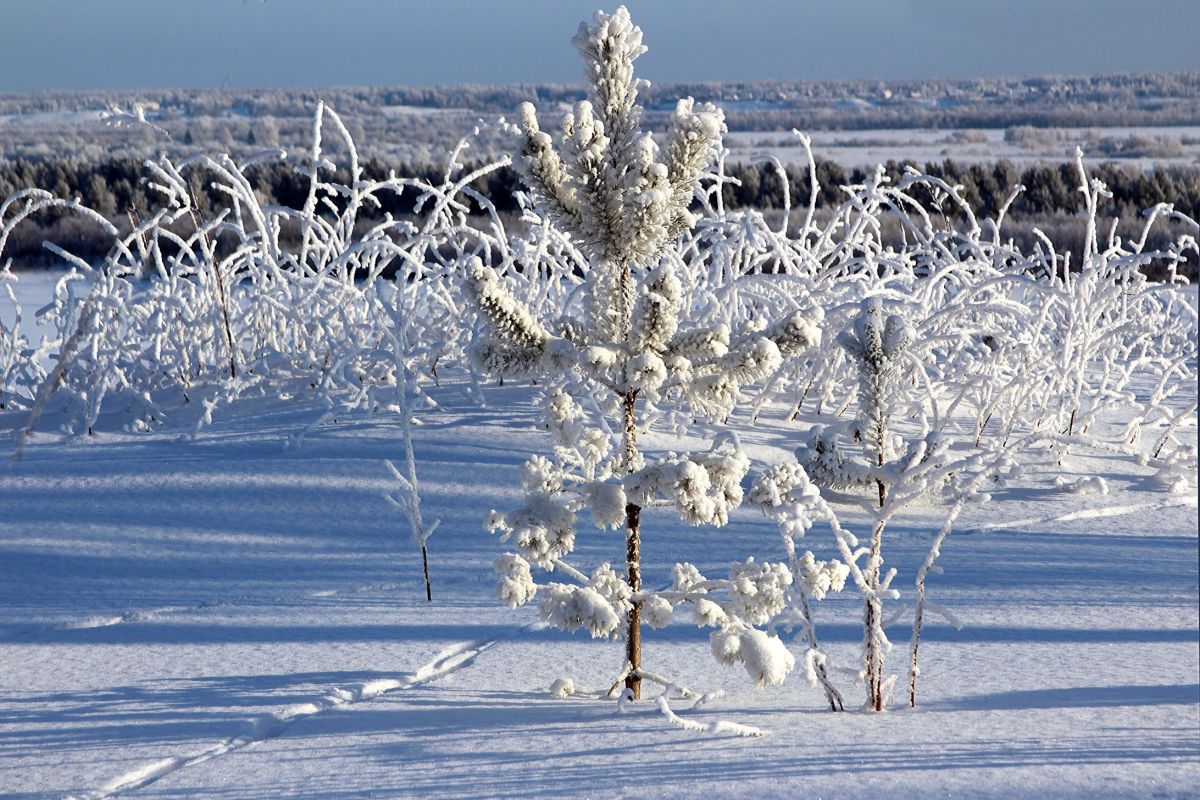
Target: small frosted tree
(877, 346)
(866, 453)
(624, 200)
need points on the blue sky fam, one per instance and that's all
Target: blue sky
(137, 44)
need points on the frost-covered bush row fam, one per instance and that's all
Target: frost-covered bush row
(638, 302)
(189, 312)
(1003, 343)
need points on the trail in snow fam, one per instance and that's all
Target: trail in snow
(1087, 513)
(155, 614)
(269, 726)
(106, 620)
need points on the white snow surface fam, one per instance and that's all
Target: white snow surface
(229, 618)
(866, 148)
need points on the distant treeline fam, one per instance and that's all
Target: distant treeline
(1105, 100)
(1051, 200)
(1049, 188)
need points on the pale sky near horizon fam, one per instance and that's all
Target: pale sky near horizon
(141, 44)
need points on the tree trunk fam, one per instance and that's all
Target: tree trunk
(633, 556)
(633, 639)
(425, 564)
(880, 440)
(916, 645)
(873, 624)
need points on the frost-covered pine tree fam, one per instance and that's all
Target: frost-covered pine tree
(624, 200)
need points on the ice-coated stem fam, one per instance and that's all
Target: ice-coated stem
(218, 284)
(873, 635)
(832, 695)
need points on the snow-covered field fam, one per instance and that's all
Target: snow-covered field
(1177, 146)
(232, 618)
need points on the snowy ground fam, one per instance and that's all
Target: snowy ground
(867, 148)
(231, 618)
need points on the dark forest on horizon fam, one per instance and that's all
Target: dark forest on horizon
(1050, 202)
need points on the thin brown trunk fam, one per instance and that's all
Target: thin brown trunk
(633, 556)
(633, 640)
(874, 696)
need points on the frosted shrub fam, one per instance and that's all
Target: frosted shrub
(786, 493)
(20, 362)
(172, 327)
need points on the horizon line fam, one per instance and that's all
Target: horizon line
(580, 83)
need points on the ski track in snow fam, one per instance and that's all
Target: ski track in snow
(1087, 513)
(107, 620)
(268, 726)
(154, 614)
